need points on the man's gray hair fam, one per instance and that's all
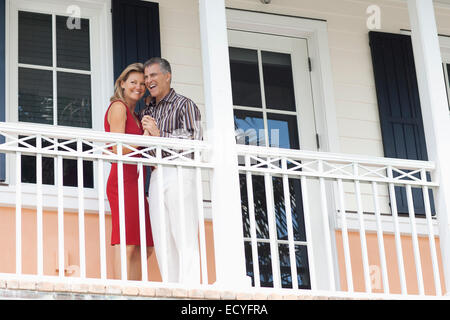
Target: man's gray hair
(163, 64)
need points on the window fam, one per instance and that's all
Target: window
(264, 103)
(54, 84)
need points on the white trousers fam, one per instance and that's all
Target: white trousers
(176, 238)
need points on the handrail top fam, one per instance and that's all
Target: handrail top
(65, 132)
(299, 155)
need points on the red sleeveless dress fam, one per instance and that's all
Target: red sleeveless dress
(130, 181)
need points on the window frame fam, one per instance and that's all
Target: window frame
(99, 14)
(264, 110)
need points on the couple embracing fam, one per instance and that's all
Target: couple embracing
(166, 114)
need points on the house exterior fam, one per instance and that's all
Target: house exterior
(324, 170)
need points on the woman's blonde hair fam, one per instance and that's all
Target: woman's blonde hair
(118, 91)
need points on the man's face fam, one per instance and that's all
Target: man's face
(157, 82)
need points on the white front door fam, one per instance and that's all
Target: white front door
(273, 107)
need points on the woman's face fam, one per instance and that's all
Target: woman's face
(134, 86)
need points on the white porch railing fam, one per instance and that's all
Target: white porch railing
(354, 182)
(293, 203)
(82, 145)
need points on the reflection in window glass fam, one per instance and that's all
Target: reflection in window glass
(74, 100)
(278, 81)
(283, 131)
(245, 82)
(35, 96)
(249, 128)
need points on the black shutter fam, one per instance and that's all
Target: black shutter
(399, 106)
(136, 35)
(2, 84)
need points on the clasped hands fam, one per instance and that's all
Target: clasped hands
(150, 127)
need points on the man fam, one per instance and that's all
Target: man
(169, 114)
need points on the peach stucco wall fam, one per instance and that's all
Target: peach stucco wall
(391, 261)
(71, 245)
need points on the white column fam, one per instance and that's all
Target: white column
(435, 112)
(225, 192)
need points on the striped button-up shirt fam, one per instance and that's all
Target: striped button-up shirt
(176, 117)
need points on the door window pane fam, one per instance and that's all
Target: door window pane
(249, 127)
(35, 96)
(283, 131)
(245, 82)
(278, 81)
(35, 38)
(74, 100)
(72, 45)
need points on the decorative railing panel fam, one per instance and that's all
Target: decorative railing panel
(326, 198)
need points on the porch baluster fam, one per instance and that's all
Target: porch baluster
(288, 211)
(362, 230)
(18, 213)
(309, 241)
(415, 240)
(398, 241)
(39, 211)
(348, 263)
(432, 241)
(142, 225)
(201, 221)
(81, 231)
(120, 184)
(251, 214)
(380, 238)
(326, 228)
(61, 260)
(273, 237)
(101, 217)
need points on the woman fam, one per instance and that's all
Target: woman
(121, 118)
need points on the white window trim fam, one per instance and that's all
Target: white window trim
(102, 79)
